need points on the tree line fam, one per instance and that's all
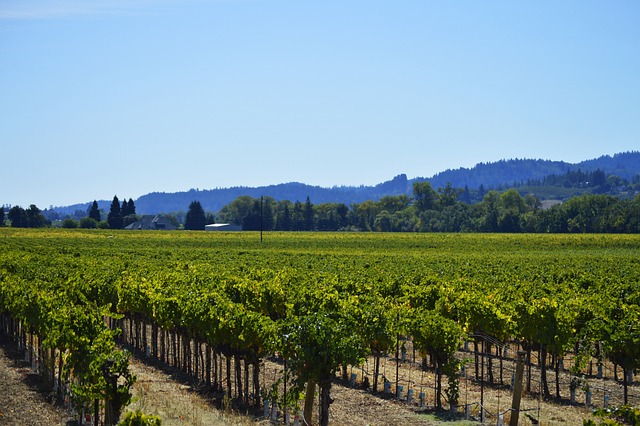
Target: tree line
(119, 216)
(442, 210)
(445, 209)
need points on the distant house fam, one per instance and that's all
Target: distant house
(222, 227)
(151, 222)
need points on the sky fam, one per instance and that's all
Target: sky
(101, 98)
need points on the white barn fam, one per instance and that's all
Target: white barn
(222, 227)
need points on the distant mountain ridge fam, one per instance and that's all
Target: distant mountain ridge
(503, 173)
(506, 172)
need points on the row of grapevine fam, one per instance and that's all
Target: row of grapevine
(48, 311)
(217, 306)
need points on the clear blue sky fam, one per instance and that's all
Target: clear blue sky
(104, 98)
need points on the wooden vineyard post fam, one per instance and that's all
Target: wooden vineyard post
(308, 402)
(517, 389)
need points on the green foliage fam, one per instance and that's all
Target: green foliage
(319, 300)
(443, 210)
(619, 416)
(424, 195)
(452, 371)
(29, 218)
(115, 219)
(94, 211)
(88, 223)
(316, 345)
(440, 337)
(128, 208)
(195, 219)
(69, 224)
(138, 418)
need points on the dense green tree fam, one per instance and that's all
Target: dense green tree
(465, 195)
(364, 215)
(394, 203)
(35, 218)
(69, 223)
(18, 217)
(94, 211)
(268, 216)
(383, 222)
(424, 196)
(174, 219)
(511, 207)
(128, 208)
(489, 219)
(29, 218)
(330, 216)
(283, 217)
(132, 207)
(236, 211)
(88, 223)
(297, 217)
(1, 216)
(308, 216)
(210, 218)
(115, 219)
(456, 218)
(584, 213)
(128, 212)
(253, 220)
(448, 196)
(481, 191)
(196, 219)
(260, 217)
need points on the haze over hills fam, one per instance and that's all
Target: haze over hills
(500, 174)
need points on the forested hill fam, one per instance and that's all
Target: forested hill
(214, 199)
(505, 173)
(500, 174)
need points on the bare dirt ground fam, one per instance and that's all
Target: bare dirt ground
(22, 399)
(158, 391)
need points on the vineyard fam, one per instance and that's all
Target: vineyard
(270, 324)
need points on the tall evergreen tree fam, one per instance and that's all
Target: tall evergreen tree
(128, 212)
(283, 222)
(297, 218)
(2, 215)
(308, 215)
(128, 208)
(94, 212)
(195, 219)
(132, 207)
(114, 219)
(465, 197)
